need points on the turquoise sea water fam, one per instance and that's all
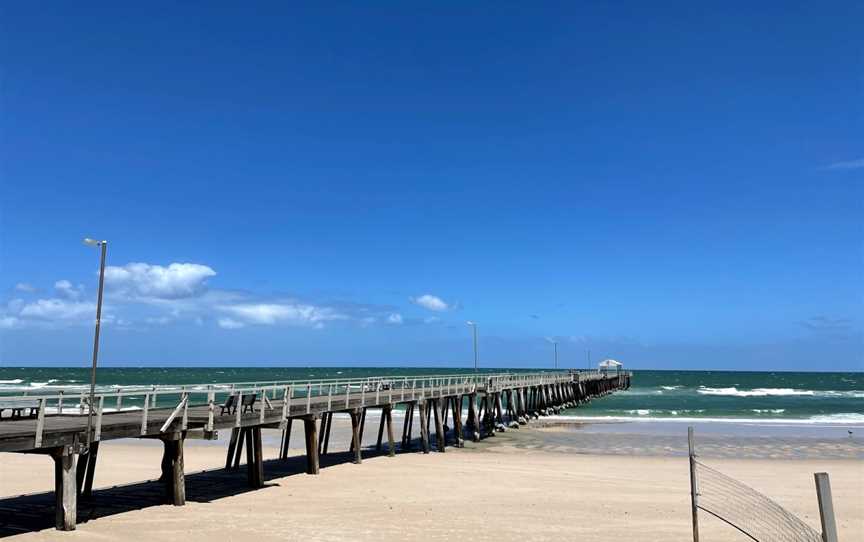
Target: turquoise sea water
(807, 398)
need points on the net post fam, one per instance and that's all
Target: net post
(691, 448)
(826, 507)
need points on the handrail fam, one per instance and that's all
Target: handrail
(335, 388)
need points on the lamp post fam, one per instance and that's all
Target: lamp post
(104, 247)
(555, 347)
(474, 328)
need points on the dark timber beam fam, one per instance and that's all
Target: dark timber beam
(312, 459)
(355, 436)
(388, 415)
(439, 427)
(424, 427)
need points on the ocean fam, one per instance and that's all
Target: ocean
(703, 396)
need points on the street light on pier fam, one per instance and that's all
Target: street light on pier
(555, 347)
(104, 247)
(474, 328)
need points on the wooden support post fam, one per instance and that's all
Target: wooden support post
(457, 421)
(286, 439)
(424, 426)
(255, 466)
(472, 418)
(439, 427)
(173, 475)
(391, 445)
(409, 418)
(498, 408)
(311, 428)
(409, 408)
(326, 428)
(90, 466)
(826, 507)
(237, 453)
(178, 474)
(362, 425)
(380, 430)
(232, 446)
(65, 491)
(694, 506)
(355, 436)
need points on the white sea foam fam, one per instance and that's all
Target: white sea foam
(841, 419)
(13, 381)
(758, 392)
(670, 388)
(768, 410)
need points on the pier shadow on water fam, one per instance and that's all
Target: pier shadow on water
(35, 511)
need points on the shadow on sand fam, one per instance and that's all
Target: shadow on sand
(35, 511)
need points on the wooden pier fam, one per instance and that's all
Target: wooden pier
(477, 404)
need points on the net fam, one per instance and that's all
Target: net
(747, 510)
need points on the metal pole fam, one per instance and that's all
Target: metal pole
(693, 503)
(826, 507)
(104, 245)
(556, 355)
(476, 364)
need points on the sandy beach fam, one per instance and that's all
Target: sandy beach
(520, 485)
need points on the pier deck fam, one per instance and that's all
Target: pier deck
(489, 401)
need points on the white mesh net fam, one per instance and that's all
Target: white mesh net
(747, 510)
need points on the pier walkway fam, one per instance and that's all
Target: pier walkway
(477, 404)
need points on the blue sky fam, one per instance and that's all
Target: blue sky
(674, 186)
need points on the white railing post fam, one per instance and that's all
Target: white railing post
(211, 399)
(40, 424)
(98, 433)
(308, 398)
(144, 413)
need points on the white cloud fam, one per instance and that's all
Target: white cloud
(8, 322)
(228, 323)
(55, 309)
(431, 302)
(274, 313)
(24, 287)
(395, 319)
(851, 164)
(431, 320)
(146, 281)
(66, 289)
